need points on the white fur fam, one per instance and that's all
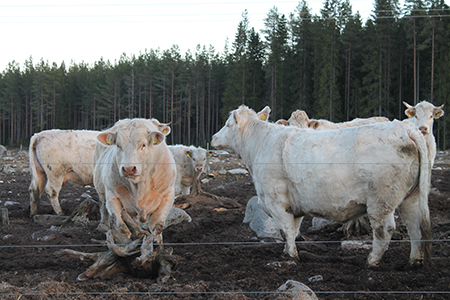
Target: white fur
(57, 156)
(135, 171)
(191, 162)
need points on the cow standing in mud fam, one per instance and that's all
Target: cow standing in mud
(337, 175)
(58, 156)
(191, 162)
(134, 175)
(422, 115)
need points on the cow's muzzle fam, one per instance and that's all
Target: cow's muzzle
(129, 171)
(423, 130)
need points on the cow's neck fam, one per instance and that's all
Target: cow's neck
(250, 139)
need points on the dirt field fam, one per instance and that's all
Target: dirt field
(216, 261)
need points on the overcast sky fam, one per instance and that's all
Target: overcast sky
(86, 30)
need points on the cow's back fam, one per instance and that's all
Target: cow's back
(68, 151)
(355, 161)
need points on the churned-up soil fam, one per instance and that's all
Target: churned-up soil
(220, 257)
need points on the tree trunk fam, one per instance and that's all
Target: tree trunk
(432, 65)
(415, 62)
(136, 255)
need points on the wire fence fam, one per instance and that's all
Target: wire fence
(381, 293)
(218, 243)
(184, 293)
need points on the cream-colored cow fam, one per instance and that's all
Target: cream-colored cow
(134, 171)
(57, 156)
(191, 162)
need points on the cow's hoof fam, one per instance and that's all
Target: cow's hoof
(373, 266)
(288, 257)
(415, 264)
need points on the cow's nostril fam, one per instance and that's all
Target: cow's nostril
(423, 129)
(128, 171)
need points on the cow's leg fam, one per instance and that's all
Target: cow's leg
(35, 190)
(383, 227)
(52, 188)
(410, 213)
(104, 215)
(114, 208)
(284, 218)
(185, 190)
(157, 219)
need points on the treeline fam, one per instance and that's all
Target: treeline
(330, 65)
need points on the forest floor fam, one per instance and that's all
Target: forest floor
(216, 257)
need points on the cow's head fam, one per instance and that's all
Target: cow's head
(135, 144)
(198, 157)
(299, 118)
(423, 115)
(225, 138)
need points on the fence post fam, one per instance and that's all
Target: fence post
(4, 216)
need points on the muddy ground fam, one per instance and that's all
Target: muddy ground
(216, 260)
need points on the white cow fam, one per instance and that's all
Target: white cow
(191, 162)
(300, 119)
(134, 171)
(422, 115)
(337, 175)
(57, 156)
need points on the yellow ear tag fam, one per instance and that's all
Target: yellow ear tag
(108, 141)
(187, 154)
(263, 117)
(409, 116)
(210, 155)
(315, 126)
(155, 141)
(438, 115)
(164, 131)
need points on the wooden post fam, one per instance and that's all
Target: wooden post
(4, 216)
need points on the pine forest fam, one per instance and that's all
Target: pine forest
(333, 66)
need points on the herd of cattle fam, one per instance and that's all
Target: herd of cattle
(300, 166)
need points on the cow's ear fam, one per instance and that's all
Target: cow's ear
(165, 128)
(188, 153)
(210, 153)
(156, 138)
(236, 117)
(438, 112)
(107, 138)
(263, 115)
(282, 122)
(313, 124)
(410, 111)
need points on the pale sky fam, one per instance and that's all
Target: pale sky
(86, 30)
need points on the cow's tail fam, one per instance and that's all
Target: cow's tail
(37, 176)
(424, 189)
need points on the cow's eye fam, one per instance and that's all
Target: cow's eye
(143, 146)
